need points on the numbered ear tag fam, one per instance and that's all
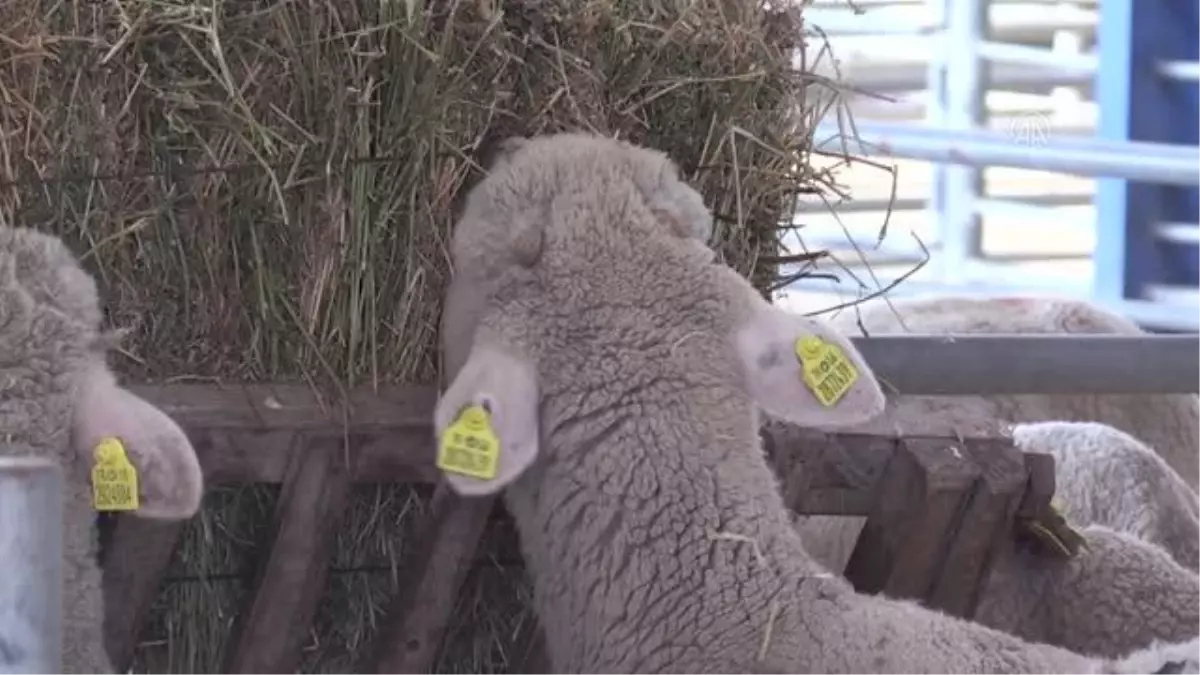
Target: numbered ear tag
(827, 372)
(114, 478)
(469, 446)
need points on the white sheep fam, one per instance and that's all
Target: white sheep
(60, 400)
(619, 367)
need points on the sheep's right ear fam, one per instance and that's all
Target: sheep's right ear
(504, 384)
(803, 371)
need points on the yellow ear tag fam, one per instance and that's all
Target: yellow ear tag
(469, 446)
(114, 478)
(827, 371)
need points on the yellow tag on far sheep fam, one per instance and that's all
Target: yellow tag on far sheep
(827, 371)
(469, 446)
(114, 478)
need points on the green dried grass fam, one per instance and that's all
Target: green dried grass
(264, 191)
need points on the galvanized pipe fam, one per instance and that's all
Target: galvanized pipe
(1158, 162)
(30, 553)
(956, 365)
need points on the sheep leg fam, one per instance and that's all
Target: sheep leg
(1118, 595)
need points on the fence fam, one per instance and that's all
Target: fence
(268, 433)
(1014, 93)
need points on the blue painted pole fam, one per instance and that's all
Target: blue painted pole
(1138, 102)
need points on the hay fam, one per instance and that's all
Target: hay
(264, 191)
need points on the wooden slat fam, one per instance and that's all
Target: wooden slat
(899, 551)
(986, 521)
(1042, 484)
(423, 604)
(391, 435)
(135, 559)
(825, 473)
(289, 406)
(270, 629)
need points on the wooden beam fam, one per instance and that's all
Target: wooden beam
(826, 473)
(135, 560)
(270, 629)
(423, 604)
(390, 434)
(983, 526)
(290, 406)
(918, 500)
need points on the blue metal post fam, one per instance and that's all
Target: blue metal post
(1138, 102)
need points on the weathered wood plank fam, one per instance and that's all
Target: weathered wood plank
(826, 473)
(421, 609)
(269, 631)
(289, 406)
(918, 500)
(136, 558)
(985, 522)
(1041, 486)
(391, 436)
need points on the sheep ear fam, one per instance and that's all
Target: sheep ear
(803, 371)
(170, 482)
(486, 424)
(682, 209)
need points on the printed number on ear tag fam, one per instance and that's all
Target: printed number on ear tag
(114, 478)
(469, 446)
(827, 371)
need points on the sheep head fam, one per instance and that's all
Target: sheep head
(572, 235)
(61, 399)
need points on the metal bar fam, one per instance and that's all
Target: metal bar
(960, 85)
(1156, 162)
(1184, 233)
(1000, 52)
(1149, 315)
(31, 550)
(886, 77)
(856, 205)
(1144, 151)
(1180, 70)
(958, 365)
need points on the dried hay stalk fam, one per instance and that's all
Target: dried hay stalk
(264, 190)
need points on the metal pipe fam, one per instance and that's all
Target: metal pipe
(957, 365)
(1146, 151)
(1186, 71)
(1157, 162)
(31, 550)
(1038, 57)
(1155, 315)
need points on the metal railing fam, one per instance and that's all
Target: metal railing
(1007, 92)
(31, 550)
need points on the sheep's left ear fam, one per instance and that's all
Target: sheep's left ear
(170, 482)
(803, 371)
(487, 422)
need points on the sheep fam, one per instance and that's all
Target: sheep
(1169, 423)
(1106, 477)
(60, 401)
(613, 370)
